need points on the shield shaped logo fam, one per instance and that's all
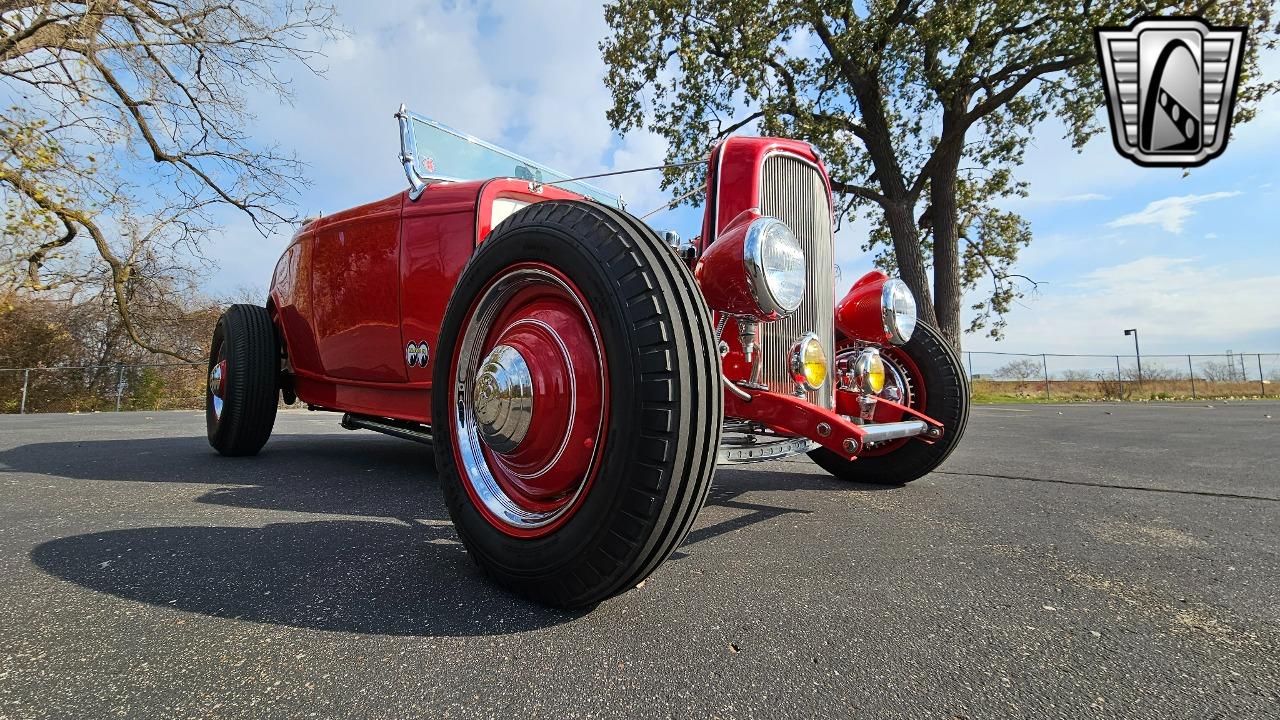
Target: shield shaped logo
(1170, 86)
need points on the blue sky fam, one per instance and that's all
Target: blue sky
(1193, 261)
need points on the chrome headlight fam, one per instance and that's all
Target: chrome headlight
(898, 310)
(775, 265)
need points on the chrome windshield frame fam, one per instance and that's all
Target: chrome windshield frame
(417, 184)
(418, 181)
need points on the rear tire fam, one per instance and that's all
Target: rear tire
(241, 397)
(657, 414)
(946, 394)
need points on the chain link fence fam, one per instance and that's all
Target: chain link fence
(995, 377)
(1015, 376)
(90, 388)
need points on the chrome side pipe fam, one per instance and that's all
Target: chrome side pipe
(387, 426)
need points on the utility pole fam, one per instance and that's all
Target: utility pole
(970, 354)
(119, 385)
(1045, 363)
(1136, 352)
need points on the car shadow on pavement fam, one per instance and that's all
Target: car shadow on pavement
(362, 576)
(391, 564)
(342, 474)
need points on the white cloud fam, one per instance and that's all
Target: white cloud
(1180, 304)
(852, 260)
(640, 190)
(476, 68)
(1038, 198)
(465, 64)
(1057, 173)
(242, 257)
(1169, 213)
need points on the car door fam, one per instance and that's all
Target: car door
(355, 274)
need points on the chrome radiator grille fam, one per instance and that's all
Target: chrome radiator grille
(792, 191)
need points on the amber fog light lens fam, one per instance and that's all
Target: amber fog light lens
(809, 362)
(868, 372)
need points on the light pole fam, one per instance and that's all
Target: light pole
(1136, 352)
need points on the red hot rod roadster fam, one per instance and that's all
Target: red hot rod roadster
(578, 376)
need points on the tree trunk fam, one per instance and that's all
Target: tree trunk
(907, 253)
(898, 204)
(947, 293)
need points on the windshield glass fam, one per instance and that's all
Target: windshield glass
(442, 153)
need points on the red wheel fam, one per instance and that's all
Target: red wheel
(242, 392)
(532, 423)
(577, 404)
(903, 381)
(924, 374)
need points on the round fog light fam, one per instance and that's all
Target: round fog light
(809, 362)
(868, 372)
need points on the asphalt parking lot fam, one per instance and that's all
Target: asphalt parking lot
(1068, 561)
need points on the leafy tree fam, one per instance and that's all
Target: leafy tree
(125, 132)
(922, 110)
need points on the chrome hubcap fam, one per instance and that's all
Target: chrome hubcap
(217, 387)
(502, 399)
(528, 476)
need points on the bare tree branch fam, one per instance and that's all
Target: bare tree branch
(166, 79)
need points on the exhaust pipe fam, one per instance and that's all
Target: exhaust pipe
(387, 426)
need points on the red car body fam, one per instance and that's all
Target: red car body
(354, 289)
(577, 375)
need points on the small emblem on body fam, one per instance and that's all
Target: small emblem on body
(417, 354)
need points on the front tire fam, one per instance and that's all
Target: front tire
(577, 406)
(241, 397)
(938, 387)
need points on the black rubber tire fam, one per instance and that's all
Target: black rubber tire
(665, 407)
(947, 400)
(246, 337)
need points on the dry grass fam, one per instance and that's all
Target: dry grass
(1023, 391)
(175, 388)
